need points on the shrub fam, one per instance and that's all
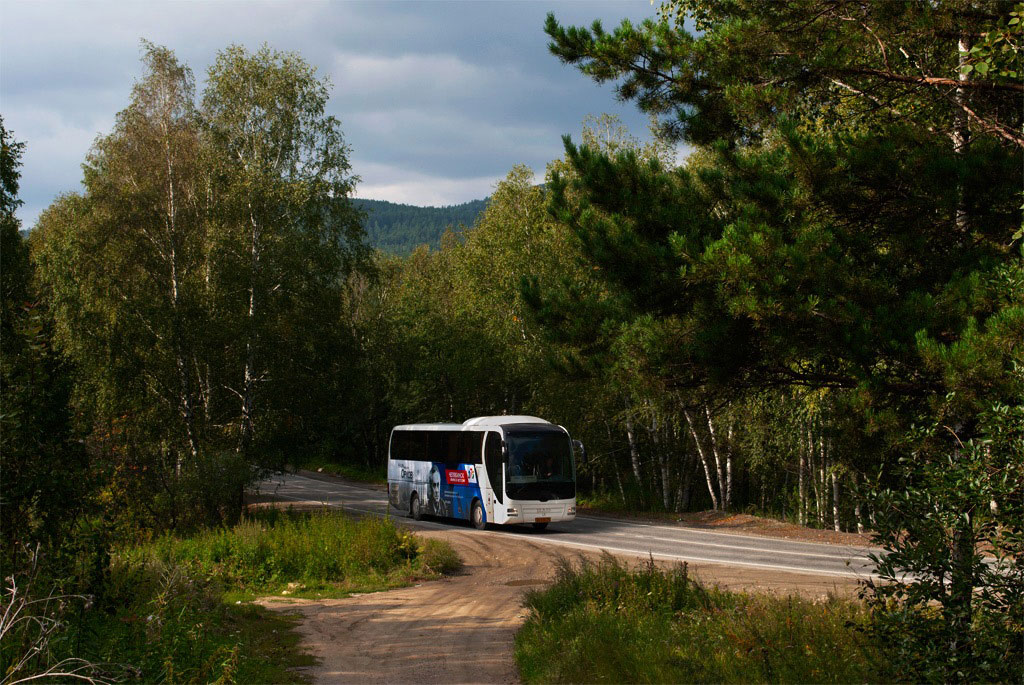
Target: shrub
(440, 557)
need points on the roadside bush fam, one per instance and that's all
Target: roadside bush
(606, 622)
(439, 557)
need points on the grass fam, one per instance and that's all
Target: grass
(317, 554)
(604, 622)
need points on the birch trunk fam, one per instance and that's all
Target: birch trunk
(812, 474)
(185, 392)
(703, 460)
(961, 132)
(728, 468)
(687, 466)
(685, 485)
(615, 469)
(858, 507)
(836, 524)
(662, 456)
(249, 373)
(634, 450)
(816, 478)
(802, 488)
(719, 466)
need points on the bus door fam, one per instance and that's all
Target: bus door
(494, 463)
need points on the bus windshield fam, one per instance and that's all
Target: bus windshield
(539, 465)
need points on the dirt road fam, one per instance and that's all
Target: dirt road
(461, 629)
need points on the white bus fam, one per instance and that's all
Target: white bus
(491, 469)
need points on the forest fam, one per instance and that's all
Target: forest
(399, 229)
(817, 314)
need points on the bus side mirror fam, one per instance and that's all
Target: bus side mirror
(579, 449)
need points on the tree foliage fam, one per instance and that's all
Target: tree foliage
(43, 465)
(189, 282)
(398, 229)
(846, 224)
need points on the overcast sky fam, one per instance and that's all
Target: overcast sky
(438, 100)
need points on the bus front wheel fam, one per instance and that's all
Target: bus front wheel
(415, 508)
(476, 514)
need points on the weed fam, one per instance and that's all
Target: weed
(605, 622)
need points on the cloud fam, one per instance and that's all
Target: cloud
(444, 96)
(56, 147)
(439, 76)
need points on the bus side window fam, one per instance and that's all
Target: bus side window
(417, 448)
(471, 447)
(492, 459)
(453, 446)
(435, 446)
(400, 444)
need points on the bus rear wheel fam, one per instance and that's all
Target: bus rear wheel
(476, 515)
(540, 525)
(415, 508)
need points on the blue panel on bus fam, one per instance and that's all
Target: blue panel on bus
(446, 489)
(451, 489)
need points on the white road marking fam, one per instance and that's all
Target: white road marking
(698, 531)
(749, 549)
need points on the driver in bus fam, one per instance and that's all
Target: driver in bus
(548, 469)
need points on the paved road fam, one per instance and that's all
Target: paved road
(670, 542)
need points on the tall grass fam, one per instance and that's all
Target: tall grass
(604, 622)
(319, 551)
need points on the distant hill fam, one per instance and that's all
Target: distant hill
(399, 229)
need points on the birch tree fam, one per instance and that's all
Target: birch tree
(284, 227)
(122, 263)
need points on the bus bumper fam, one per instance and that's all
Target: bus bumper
(550, 511)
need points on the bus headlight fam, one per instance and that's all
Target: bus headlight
(511, 511)
(570, 511)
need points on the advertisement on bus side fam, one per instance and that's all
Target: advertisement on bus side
(443, 489)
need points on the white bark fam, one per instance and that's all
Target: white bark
(662, 455)
(249, 372)
(615, 469)
(858, 507)
(961, 133)
(835, 502)
(719, 466)
(802, 488)
(728, 468)
(634, 450)
(171, 254)
(704, 460)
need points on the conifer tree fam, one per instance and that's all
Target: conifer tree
(848, 222)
